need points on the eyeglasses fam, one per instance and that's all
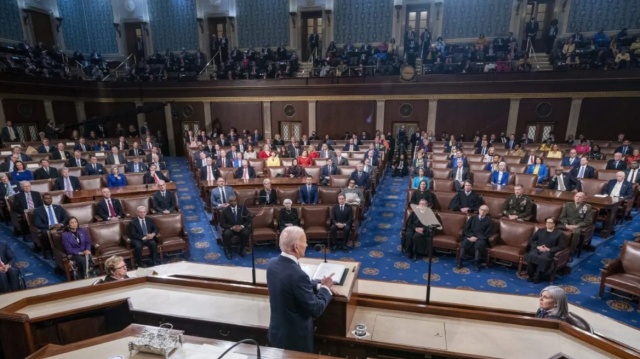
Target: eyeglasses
(122, 266)
(551, 222)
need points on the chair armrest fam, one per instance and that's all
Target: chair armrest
(275, 224)
(493, 239)
(562, 256)
(126, 241)
(302, 222)
(97, 218)
(612, 268)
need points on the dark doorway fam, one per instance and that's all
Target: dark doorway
(311, 22)
(134, 39)
(417, 20)
(42, 28)
(542, 10)
(218, 27)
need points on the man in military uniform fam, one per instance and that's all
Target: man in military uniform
(518, 206)
(574, 217)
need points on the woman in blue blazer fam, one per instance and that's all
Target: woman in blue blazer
(419, 178)
(20, 173)
(501, 176)
(539, 169)
(115, 178)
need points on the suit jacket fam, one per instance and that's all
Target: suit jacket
(288, 217)
(224, 143)
(543, 172)
(454, 162)
(273, 196)
(57, 156)
(308, 197)
(72, 162)
(480, 228)
(338, 216)
(327, 171)
(20, 201)
(40, 173)
(141, 167)
(589, 172)
(166, 203)
(621, 149)
(216, 196)
(42, 149)
(125, 146)
(621, 166)
(58, 184)
(3, 189)
(454, 172)
(342, 161)
(294, 304)
(239, 172)
(291, 151)
(111, 159)
(569, 182)
(41, 217)
(89, 171)
(214, 171)
(461, 200)
(148, 177)
(525, 160)
(134, 229)
(23, 157)
(355, 147)
(565, 162)
(478, 150)
(78, 147)
(228, 220)
(361, 181)
(626, 189)
(102, 210)
(132, 152)
(637, 174)
(503, 181)
(5, 134)
(6, 253)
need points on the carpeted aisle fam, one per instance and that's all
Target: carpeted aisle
(379, 252)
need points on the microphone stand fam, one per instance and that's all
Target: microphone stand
(428, 299)
(252, 341)
(253, 255)
(321, 247)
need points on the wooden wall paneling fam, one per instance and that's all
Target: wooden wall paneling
(65, 113)
(185, 111)
(110, 114)
(336, 117)
(468, 116)
(157, 121)
(393, 114)
(537, 110)
(25, 111)
(301, 114)
(605, 118)
(241, 115)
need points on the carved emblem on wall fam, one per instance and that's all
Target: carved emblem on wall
(406, 110)
(289, 110)
(544, 109)
(130, 5)
(187, 111)
(25, 110)
(216, 2)
(408, 73)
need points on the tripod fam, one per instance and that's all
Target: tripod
(532, 52)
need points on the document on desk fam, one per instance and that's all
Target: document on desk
(317, 272)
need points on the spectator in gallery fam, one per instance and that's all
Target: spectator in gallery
(555, 152)
(552, 33)
(20, 173)
(595, 153)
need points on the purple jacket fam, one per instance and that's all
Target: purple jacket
(71, 245)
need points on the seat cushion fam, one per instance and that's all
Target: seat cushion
(507, 253)
(261, 234)
(625, 282)
(173, 244)
(445, 241)
(316, 231)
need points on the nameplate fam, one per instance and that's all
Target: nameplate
(71, 143)
(31, 166)
(14, 145)
(99, 154)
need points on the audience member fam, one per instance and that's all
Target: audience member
(518, 206)
(418, 237)
(77, 245)
(308, 192)
(341, 217)
(539, 169)
(553, 304)
(288, 215)
(353, 194)
(619, 187)
(135, 166)
(574, 217)
(9, 274)
(267, 195)
(295, 170)
(143, 232)
(541, 249)
(476, 235)
(94, 168)
(234, 221)
(245, 172)
(66, 182)
(154, 176)
(501, 176)
(422, 193)
(20, 173)
(115, 178)
(164, 201)
(466, 201)
(361, 177)
(109, 209)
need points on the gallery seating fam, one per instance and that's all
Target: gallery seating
(265, 224)
(85, 212)
(511, 242)
(449, 236)
(315, 222)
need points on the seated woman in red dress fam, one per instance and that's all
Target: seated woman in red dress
(304, 160)
(313, 154)
(264, 154)
(583, 147)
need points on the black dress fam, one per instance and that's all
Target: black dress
(288, 217)
(418, 195)
(541, 262)
(413, 242)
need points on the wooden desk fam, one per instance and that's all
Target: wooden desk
(119, 192)
(116, 344)
(610, 205)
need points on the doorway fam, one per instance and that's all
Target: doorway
(542, 10)
(409, 127)
(218, 27)
(41, 28)
(311, 23)
(290, 129)
(539, 131)
(417, 20)
(134, 39)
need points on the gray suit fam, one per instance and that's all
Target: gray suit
(217, 198)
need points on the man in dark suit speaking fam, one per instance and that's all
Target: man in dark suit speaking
(295, 300)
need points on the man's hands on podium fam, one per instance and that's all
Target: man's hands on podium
(328, 282)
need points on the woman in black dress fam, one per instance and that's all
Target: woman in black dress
(296, 170)
(288, 215)
(541, 249)
(418, 238)
(422, 193)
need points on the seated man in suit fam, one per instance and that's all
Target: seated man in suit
(518, 206)
(308, 192)
(77, 160)
(60, 153)
(267, 195)
(325, 152)
(82, 145)
(289, 216)
(234, 221)
(136, 166)
(143, 231)
(583, 171)
(136, 150)
(209, 172)
(617, 163)
(45, 147)
(155, 160)
(122, 144)
(625, 149)
(47, 217)
(245, 172)
(466, 201)
(109, 209)
(26, 199)
(9, 274)
(94, 168)
(326, 171)
(561, 181)
(572, 160)
(361, 177)
(220, 195)
(483, 149)
(7, 189)
(340, 160)
(459, 174)
(66, 182)
(530, 158)
(9, 133)
(46, 172)
(619, 187)
(632, 175)
(9, 164)
(17, 151)
(154, 176)
(351, 146)
(115, 158)
(164, 201)
(459, 155)
(476, 235)
(341, 220)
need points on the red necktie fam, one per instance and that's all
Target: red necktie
(155, 178)
(112, 212)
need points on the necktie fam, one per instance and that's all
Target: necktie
(235, 214)
(162, 194)
(624, 150)
(12, 134)
(341, 208)
(581, 173)
(246, 174)
(135, 151)
(94, 167)
(52, 217)
(459, 174)
(8, 190)
(10, 166)
(224, 200)
(112, 211)
(84, 149)
(359, 174)
(67, 185)
(46, 169)
(632, 176)
(29, 200)
(155, 178)
(144, 227)
(78, 164)
(616, 164)
(266, 196)
(209, 174)
(561, 184)
(223, 162)
(484, 150)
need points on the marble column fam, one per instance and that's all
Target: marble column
(512, 123)
(380, 115)
(574, 116)
(266, 119)
(170, 135)
(48, 111)
(431, 116)
(312, 116)
(208, 124)
(141, 117)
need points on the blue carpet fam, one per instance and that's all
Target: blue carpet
(379, 253)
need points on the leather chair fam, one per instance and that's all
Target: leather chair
(75, 171)
(135, 178)
(477, 166)
(313, 172)
(130, 205)
(172, 234)
(315, 221)
(440, 173)
(579, 322)
(443, 185)
(36, 157)
(37, 236)
(481, 177)
(339, 181)
(328, 195)
(592, 186)
(247, 196)
(58, 164)
(42, 186)
(346, 170)
(353, 162)
(357, 155)
(511, 242)
(623, 274)
(552, 162)
(85, 212)
(108, 241)
(226, 172)
(275, 171)
(448, 238)
(528, 181)
(127, 241)
(439, 164)
(91, 182)
(511, 160)
(286, 162)
(475, 157)
(439, 156)
(605, 175)
(545, 210)
(587, 233)
(265, 224)
(601, 166)
(258, 166)
(319, 162)
(495, 206)
(57, 197)
(292, 193)
(518, 168)
(442, 200)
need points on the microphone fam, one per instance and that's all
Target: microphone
(321, 247)
(144, 179)
(252, 341)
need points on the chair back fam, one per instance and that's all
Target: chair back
(598, 165)
(339, 181)
(264, 217)
(495, 206)
(315, 216)
(84, 211)
(91, 182)
(57, 197)
(313, 172)
(547, 209)
(106, 234)
(528, 181)
(346, 170)
(439, 164)
(606, 175)
(475, 157)
(443, 199)
(291, 193)
(481, 177)
(630, 258)
(439, 156)
(134, 178)
(246, 196)
(169, 225)
(512, 160)
(440, 173)
(443, 185)
(275, 171)
(592, 186)
(258, 166)
(328, 195)
(518, 168)
(515, 234)
(319, 162)
(579, 322)
(477, 166)
(130, 204)
(42, 186)
(452, 223)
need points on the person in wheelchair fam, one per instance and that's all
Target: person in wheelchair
(9, 275)
(77, 245)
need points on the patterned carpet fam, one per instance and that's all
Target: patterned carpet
(378, 251)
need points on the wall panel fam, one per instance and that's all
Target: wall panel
(263, 22)
(604, 118)
(593, 15)
(25, 111)
(110, 114)
(530, 111)
(173, 24)
(336, 117)
(65, 113)
(420, 113)
(469, 18)
(301, 115)
(10, 27)
(467, 116)
(358, 21)
(241, 115)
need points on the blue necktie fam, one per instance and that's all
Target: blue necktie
(52, 217)
(144, 228)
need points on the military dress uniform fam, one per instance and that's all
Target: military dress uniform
(573, 214)
(521, 206)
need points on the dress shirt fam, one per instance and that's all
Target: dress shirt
(615, 192)
(561, 185)
(632, 175)
(459, 174)
(581, 172)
